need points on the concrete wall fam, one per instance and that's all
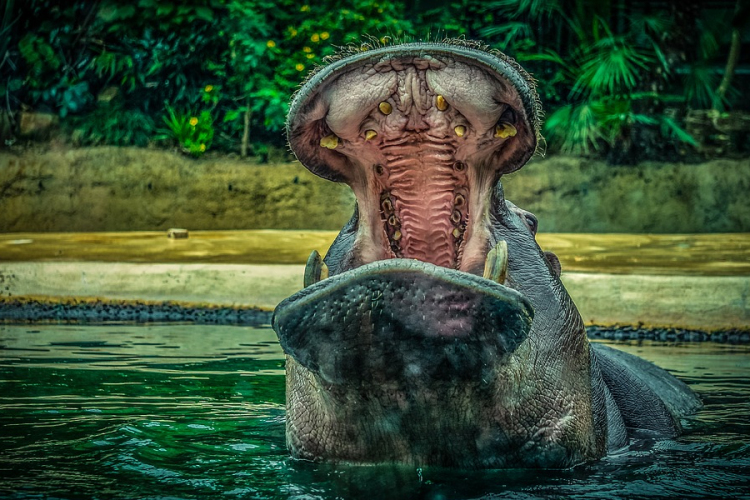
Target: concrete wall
(124, 189)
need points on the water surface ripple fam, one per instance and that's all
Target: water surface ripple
(195, 411)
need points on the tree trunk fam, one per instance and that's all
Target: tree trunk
(734, 56)
(246, 131)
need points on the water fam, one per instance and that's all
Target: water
(184, 411)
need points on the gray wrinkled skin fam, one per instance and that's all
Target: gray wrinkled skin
(409, 355)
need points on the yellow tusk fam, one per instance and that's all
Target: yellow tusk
(397, 235)
(496, 265)
(370, 134)
(315, 269)
(460, 130)
(329, 141)
(505, 130)
(385, 108)
(440, 103)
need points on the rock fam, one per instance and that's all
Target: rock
(36, 125)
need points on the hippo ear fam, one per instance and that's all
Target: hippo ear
(554, 263)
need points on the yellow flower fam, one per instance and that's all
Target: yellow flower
(209, 88)
(305, 8)
(203, 147)
(299, 67)
(270, 44)
(306, 50)
(193, 121)
(310, 56)
(324, 35)
(293, 32)
(315, 37)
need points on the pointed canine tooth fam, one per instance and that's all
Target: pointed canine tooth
(370, 134)
(315, 269)
(397, 235)
(460, 130)
(385, 108)
(505, 130)
(440, 103)
(329, 141)
(496, 265)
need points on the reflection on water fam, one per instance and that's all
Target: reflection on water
(186, 411)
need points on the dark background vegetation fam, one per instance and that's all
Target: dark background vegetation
(624, 80)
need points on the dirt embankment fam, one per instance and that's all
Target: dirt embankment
(123, 189)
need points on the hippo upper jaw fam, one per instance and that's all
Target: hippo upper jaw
(421, 132)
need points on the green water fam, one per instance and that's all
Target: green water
(186, 411)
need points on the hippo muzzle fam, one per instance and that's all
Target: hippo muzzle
(399, 320)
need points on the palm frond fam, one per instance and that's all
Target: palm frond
(610, 66)
(574, 129)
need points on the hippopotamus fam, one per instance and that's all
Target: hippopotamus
(436, 331)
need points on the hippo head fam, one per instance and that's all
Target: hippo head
(443, 334)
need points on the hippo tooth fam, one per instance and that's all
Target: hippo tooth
(315, 269)
(385, 108)
(505, 130)
(329, 141)
(460, 130)
(440, 103)
(496, 265)
(370, 134)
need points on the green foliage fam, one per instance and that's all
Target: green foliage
(605, 74)
(603, 88)
(113, 125)
(194, 134)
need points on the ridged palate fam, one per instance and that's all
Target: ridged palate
(422, 185)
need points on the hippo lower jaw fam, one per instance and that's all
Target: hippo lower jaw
(393, 320)
(404, 361)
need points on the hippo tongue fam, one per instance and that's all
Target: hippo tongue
(396, 318)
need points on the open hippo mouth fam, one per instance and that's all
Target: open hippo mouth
(421, 132)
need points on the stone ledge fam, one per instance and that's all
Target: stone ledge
(705, 303)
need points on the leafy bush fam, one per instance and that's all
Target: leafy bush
(114, 125)
(193, 133)
(610, 79)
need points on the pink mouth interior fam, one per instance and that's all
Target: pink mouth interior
(416, 139)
